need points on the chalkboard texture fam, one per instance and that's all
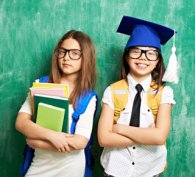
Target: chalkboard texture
(30, 29)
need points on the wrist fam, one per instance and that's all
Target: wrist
(48, 135)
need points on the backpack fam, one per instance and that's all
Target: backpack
(81, 105)
(119, 92)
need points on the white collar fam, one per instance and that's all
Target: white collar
(145, 83)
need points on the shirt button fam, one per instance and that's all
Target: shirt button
(133, 147)
(133, 163)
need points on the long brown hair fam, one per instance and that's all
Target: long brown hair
(87, 77)
(157, 73)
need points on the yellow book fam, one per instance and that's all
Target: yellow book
(52, 85)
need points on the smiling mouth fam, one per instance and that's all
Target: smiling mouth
(141, 65)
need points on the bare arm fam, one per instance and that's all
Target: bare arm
(31, 130)
(33, 143)
(106, 137)
(77, 142)
(149, 136)
(39, 137)
(36, 132)
(74, 142)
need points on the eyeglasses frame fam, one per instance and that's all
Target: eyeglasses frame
(144, 51)
(65, 51)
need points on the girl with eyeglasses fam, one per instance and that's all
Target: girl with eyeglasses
(136, 111)
(57, 153)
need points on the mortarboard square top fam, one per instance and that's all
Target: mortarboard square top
(144, 33)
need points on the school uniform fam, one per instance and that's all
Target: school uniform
(137, 160)
(57, 164)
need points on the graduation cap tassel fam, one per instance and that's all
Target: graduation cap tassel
(171, 73)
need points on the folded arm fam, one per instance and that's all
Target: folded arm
(149, 136)
(106, 136)
(74, 142)
(34, 132)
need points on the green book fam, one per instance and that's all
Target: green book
(50, 117)
(60, 102)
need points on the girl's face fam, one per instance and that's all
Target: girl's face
(142, 62)
(70, 57)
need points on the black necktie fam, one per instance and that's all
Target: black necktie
(136, 107)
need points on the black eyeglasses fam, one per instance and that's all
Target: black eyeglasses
(151, 55)
(73, 54)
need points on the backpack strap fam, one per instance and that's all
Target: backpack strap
(44, 79)
(81, 105)
(28, 155)
(119, 91)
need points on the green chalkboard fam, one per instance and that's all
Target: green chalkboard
(30, 29)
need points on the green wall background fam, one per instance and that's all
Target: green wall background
(30, 29)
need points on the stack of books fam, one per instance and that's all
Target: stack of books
(50, 105)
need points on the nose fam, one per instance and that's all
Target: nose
(143, 56)
(66, 56)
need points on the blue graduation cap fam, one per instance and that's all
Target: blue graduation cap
(144, 33)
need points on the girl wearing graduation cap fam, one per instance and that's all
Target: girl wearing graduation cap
(135, 145)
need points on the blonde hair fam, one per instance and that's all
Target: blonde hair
(87, 77)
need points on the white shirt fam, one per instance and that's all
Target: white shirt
(136, 160)
(51, 164)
